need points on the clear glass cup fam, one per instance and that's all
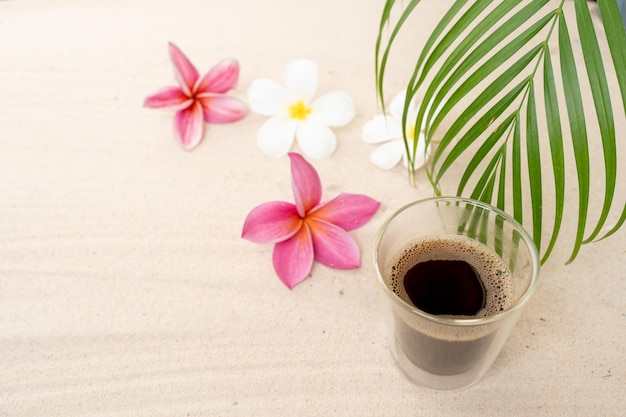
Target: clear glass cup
(448, 352)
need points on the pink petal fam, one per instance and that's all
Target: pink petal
(188, 125)
(333, 246)
(186, 73)
(167, 97)
(306, 185)
(348, 211)
(293, 258)
(271, 222)
(223, 109)
(221, 78)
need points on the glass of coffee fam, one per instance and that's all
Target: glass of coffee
(455, 275)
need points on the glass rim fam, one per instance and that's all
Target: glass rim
(519, 303)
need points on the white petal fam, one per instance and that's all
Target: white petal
(276, 136)
(316, 140)
(333, 109)
(435, 112)
(396, 107)
(387, 155)
(267, 97)
(301, 80)
(381, 129)
(425, 117)
(421, 157)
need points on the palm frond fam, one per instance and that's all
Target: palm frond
(486, 73)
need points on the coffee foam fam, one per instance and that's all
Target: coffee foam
(495, 275)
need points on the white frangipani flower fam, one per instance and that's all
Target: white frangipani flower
(295, 114)
(386, 131)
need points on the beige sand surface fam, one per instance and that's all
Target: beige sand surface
(125, 288)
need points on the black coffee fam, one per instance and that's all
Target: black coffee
(449, 276)
(445, 287)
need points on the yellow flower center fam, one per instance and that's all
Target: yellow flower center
(299, 111)
(410, 131)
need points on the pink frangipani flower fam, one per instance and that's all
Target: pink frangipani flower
(309, 230)
(199, 99)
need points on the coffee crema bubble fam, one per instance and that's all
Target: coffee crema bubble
(496, 278)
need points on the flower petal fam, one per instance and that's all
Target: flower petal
(301, 78)
(276, 135)
(188, 125)
(186, 73)
(420, 161)
(434, 114)
(387, 155)
(382, 129)
(271, 222)
(293, 258)
(306, 184)
(316, 140)
(348, 211)
(333, 109)
(333, 246)
(421, 156)
(222, 109)
(168, 97)
(267, 97)
(221, 78)
(396, 107)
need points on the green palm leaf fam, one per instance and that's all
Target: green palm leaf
(486, 74)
